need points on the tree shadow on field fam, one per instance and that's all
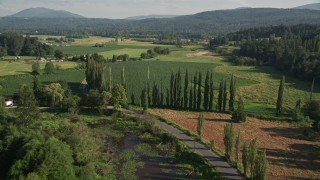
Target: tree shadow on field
(291, 81)
(24, 72)
(288, 132)
(300, 156)
(212, 120)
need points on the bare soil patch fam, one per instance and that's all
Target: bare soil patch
(290, 156)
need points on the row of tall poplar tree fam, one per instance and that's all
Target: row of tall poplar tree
(192, 95)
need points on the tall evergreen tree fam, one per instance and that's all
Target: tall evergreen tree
(171, 89)
(186, 84)
(110, 79)
(179, 90)
(206, 96)
(36, 88)
(175, 89)
(195, 92)
(220, 96)
(190, 99)
(280, 96)
(144, 99)
(168, 98)
(200, 124)
(228, 140)
(199, 98)
(238, 144)
(123, 79)
(211, 94)
(245, 160)
(252, 155)
(232, 93)
(225, 96)
(161, 98)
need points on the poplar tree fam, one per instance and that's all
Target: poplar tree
(252, 155)
(199, 98)
(225, 95)
(123, 79)
(37, 88)
(206, 93)
(186, 84)
(200, 124)
(195, 92)
(280, 96)
(228, 140)
(211, 94)
(175, 91)
(260, 166)
(220, 96)
(168, 98)
(190, 99)
(238, 144)
(232, 93)
(171, 89)
(179, 90)
(110, 79)
(245, 160)
(144, 99)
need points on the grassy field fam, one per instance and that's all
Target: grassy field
(22, 67)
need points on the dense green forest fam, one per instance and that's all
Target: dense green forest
(14, 45)
(204, 24)
(292, 49)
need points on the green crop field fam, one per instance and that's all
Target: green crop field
(258, 86)
(11, 84)
(135, 73)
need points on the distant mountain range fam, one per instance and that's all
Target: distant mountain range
(210, 23)
(151, 17)
(45, 13)
(315, 6)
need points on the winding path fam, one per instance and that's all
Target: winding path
(222, 166)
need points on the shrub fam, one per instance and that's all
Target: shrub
(239, 115)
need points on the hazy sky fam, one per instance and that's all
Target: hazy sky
(126, 8)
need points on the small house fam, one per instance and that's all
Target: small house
(8, 102)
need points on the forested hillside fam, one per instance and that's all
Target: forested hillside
(292, 49)
(204, 24)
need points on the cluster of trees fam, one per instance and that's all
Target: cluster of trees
(16, 45)
(192, 95)
(101, 85)
(252, 161)
(48, 69)
(293, 49)
(30, 151)
(59, 40)
(186, 96)
(151, 53)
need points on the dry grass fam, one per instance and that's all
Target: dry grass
(290, 156)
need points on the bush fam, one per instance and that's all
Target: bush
(244, 61)
(312, 109)
(239, 115)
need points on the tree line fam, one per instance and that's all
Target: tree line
(295, 50)
(13, 44)
(192, 94)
